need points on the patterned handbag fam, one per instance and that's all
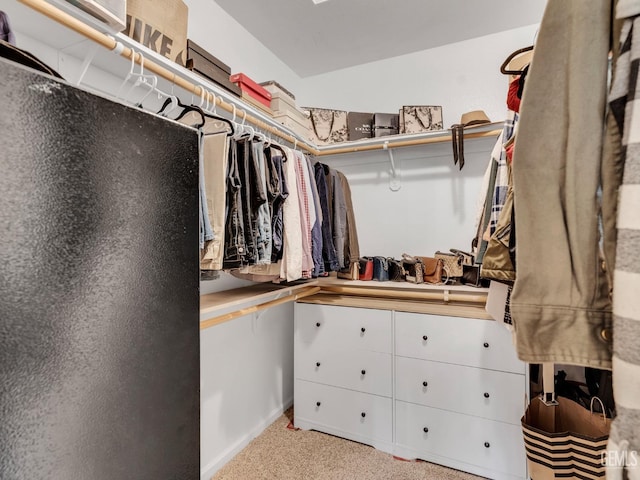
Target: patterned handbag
(414, 268)
(452, 263)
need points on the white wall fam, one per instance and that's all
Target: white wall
(461, 77)
(217, 32)
(246, 381)
(435, 208)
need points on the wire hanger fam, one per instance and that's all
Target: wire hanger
(505, 64)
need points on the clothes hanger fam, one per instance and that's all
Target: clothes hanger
(504, 68)
(215, 116)
(141, 79)
(269, 143)
(240, 128)
(190, 108)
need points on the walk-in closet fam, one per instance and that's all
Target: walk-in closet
(319, 240)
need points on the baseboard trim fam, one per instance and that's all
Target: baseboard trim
(221, 460)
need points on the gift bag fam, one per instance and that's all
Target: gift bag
(327, 126)
(385, 124)
(562, 438)
(420, 119)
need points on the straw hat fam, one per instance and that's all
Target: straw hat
(469, 119)
(477, 117)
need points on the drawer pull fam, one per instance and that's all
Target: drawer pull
(424, 384)
(363, 414)
(318, 324)
(363, 372)
(487, 444)
(486, 345)
(486, 394)
(363, 329)
(425, 430)
(317, 364)
(318, 404)
(425, 338)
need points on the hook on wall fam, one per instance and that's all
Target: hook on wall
(394, 179)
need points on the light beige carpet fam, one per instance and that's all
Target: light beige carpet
(283, 454)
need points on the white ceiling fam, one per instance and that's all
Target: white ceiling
(317, 38)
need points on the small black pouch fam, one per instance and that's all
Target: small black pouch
(471, 276)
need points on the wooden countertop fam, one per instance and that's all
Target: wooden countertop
(214, 304)
(455, 300)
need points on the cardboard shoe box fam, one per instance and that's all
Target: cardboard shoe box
(111, 12)
(252, 89)
(203, 63)
(160, 25)
(282, 100)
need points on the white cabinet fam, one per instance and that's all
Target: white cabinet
(462, 341)
(449, 390)
(461, 441)
(343, 372)
(473, 391)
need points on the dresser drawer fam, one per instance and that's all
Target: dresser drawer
(362, 415)
(464, 341)
(474, 391)
(343, 327)
(364, 371)
(485, 443)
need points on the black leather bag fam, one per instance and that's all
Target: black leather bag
(471, 276)
(397, 273)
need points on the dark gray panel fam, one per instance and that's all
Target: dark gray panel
(99, 302)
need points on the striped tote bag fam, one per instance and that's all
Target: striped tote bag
(564, 440)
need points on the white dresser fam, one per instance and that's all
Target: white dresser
(449, 390)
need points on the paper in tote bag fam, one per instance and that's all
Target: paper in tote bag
(564, 440)
(420, 119)
(327, 126)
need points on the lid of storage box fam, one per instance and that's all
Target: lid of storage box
(191, 45)
(242, 78)
(274, 86)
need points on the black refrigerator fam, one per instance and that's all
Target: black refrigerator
(99, 292)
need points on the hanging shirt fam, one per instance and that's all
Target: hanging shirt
(329, 255)
(307, 212)
(278, 191)
(234, 239)
(292, 246)
(316, 229)
(263, 238)
(216, 153)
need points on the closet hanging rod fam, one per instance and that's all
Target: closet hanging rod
(446, 296)
(210, 322)
(112, 44)
(337, 150)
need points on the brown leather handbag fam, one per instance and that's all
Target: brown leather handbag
(433, 270)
